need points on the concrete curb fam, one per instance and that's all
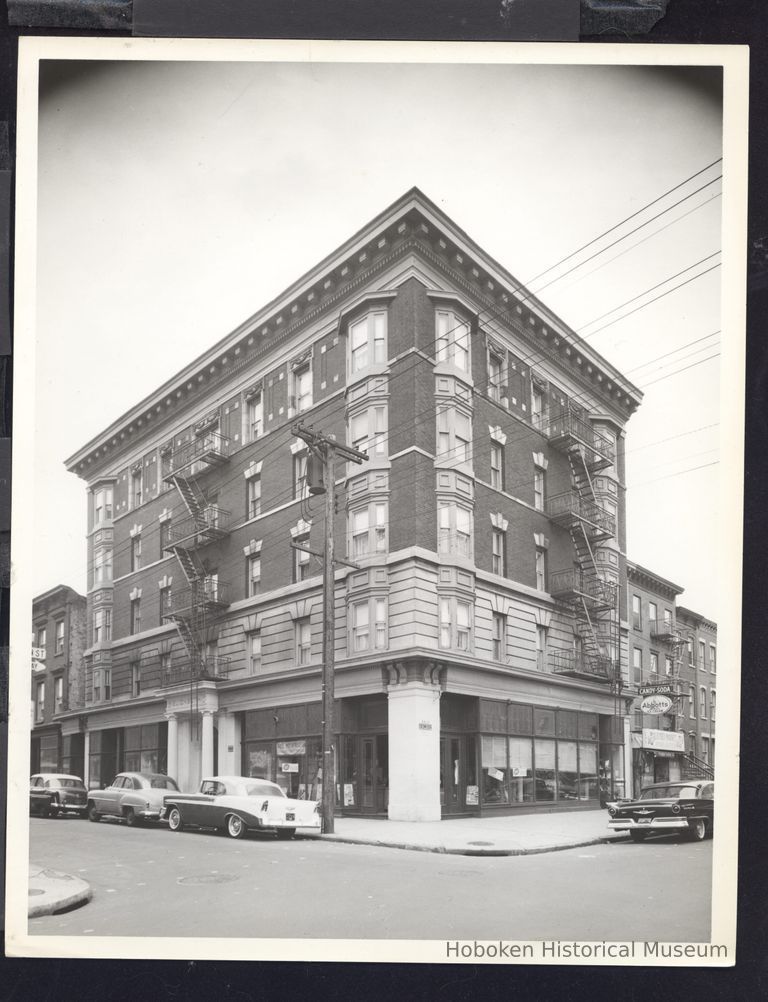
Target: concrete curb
(51, 891)
(413, 847)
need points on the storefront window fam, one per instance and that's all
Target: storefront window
(612, 785)
(588, 785)
(296, 766)
(494, 770)
(546, 782)
(544, 723)
(568, 770)
(145, 748)
(260, 761)
(520, 770)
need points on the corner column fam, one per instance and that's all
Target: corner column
(173, 745)
(86, 759)
(413, 697)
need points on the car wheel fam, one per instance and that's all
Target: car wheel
(174, 820)
(131, 817)
(286, 833)
(638, 836)
(698, 830)
(93, 814)
(235, 826)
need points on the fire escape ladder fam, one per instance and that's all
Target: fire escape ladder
(582, 479)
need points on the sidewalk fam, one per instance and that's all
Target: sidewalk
(51, 891)
(515, 835)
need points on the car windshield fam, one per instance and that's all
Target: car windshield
(65, 782)
(663, 792)
(162, 783)
(263, 790)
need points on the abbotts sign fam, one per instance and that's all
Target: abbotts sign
(656, 704)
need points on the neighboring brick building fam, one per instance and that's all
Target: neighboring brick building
(58, 643)
(666, 643)
(698, 673)
(481, 644)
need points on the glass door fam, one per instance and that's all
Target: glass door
(452, 774)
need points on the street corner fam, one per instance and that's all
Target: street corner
(51, 891)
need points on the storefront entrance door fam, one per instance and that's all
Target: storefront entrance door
(374, 785)
(452, 774)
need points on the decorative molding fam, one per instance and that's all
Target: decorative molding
(298, 446)
(541, 541)
(497, 435)
(542, 617)
(253, 548)
(135, 531)
(165, 581)
(540, 460)
(134, 594)
(254, 470)
(165, 515)
(301, 528)
(498, 521)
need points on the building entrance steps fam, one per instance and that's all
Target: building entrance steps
(512, 835)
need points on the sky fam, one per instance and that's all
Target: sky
(175, 199)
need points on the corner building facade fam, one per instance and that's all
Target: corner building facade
(481, 648)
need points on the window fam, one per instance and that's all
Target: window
(58, 694)
(689, 645)
(702, 703)
(102, 684)
(668, 617)
(301, 558)
(166, 602)
(135, 678)
(539, 480)
(136, 615)
(368, 530)
(102, 505)
(361, 615)
(59, 636)
(498, 552)
(454, 435)
(136, 488)
(669, 665)
(637, 613)
(135, 553)
(637, 664)
(253, 575)
(102, 566)
(303, 641)
(538, 408)
(541, 647)
(300, 487)
(712, 658)
(102, 626)
(41, 637)
(455, 624)
(452, 340)
(541, 568)
(255, 417)
(165, 667)
(254, 651)
(253, 494)
(653, 614)
(654, 664)
(495, 375)
(499, 636)
(497, 466)
(165, 535)
(454, 529)
(368, 341)
(702, 655)
(367, 431)
(302, 388)
(40, 701)
(692, 702)
(712, 695)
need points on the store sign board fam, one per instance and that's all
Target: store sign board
(655, 689)
(290, 748)
(663, 740)
(38, 654)
(656, 704)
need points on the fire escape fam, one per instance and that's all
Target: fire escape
(194, 609)
(585, 589)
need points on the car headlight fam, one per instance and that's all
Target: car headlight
(612, 811)
(675, 808)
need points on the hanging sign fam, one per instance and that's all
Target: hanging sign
(656, 704)
(655, 689)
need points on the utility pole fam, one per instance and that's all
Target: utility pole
(323, 449)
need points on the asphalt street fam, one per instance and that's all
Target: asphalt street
(152, 882)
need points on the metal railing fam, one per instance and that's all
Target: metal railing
(571, 662)
(214, 668)
(567, 425)
(576, 582)
(212, 522)
(205, 592)
(570, 505)
(208, 447)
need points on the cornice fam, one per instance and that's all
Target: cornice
(412, 224)
(651, 581)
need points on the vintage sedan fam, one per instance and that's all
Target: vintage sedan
(133, 796)
(51, 794)
(237, 804)
(684, 807)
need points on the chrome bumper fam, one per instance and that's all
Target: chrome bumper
(628, 824)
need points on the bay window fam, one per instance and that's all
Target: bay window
(455, 624)
(368, 530)
(454, 529)
(368, 341)
(368, 624)
(454, 435)
(367, 431)
(452, 340)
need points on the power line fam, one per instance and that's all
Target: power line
(669, 476)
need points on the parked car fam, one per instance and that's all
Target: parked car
(52, 793)
(236, 804)
(667, 807)
(133, 796)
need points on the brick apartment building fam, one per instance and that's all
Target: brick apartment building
(481, 640)
(59, 632)
(670, 652)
